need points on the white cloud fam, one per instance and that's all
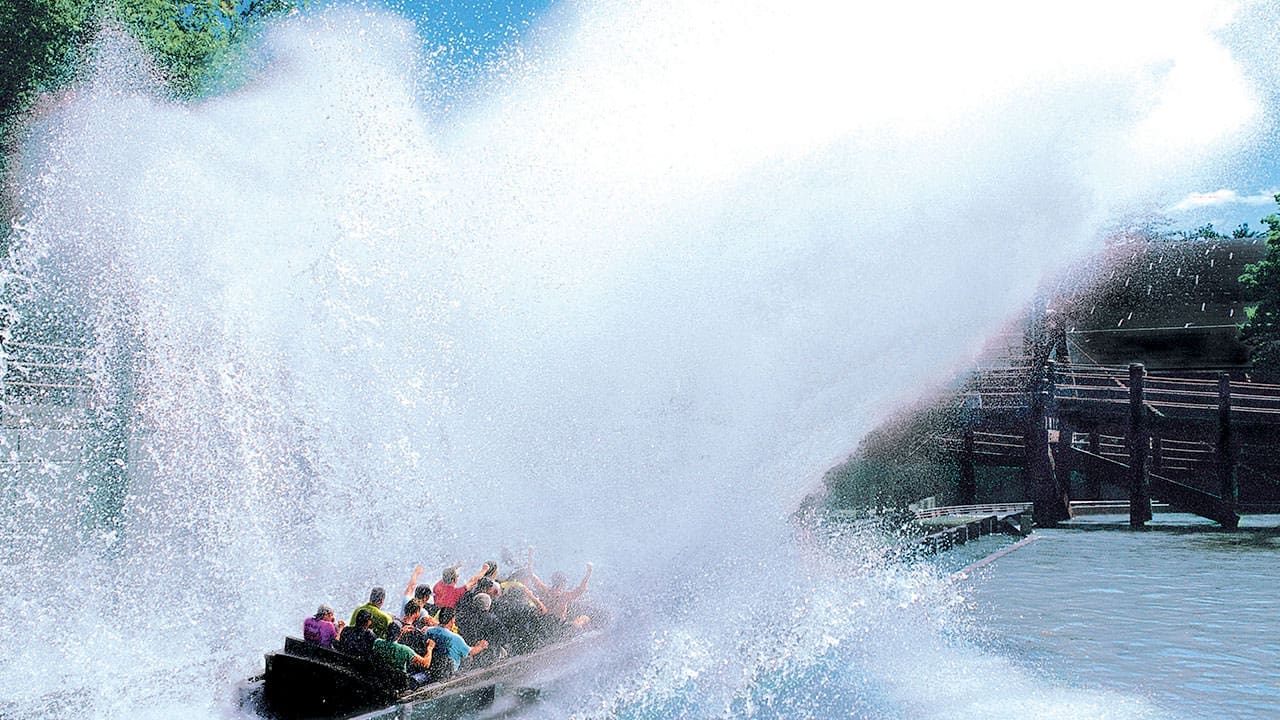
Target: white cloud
(1221, 197)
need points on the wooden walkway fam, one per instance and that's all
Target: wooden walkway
(1180, 439)
(44, 374)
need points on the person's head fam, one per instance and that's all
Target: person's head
(449, 576)
(376, 596)
(446, 615)
(325, 613)
(491, 569)
(393, 630)
(483, 602)
(485, 585)
(558, 580)
(422, 594)
(411, 610)
(364, 618)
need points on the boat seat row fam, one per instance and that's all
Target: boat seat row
(388, 678)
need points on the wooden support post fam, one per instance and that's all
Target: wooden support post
(1139, 455)
(1061, 351)
(1064, 464)
(1045, 498)
(1226, 452)
(968, 489)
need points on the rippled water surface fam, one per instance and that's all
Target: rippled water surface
(1183, 614)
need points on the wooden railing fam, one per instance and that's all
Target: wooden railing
(44, 373)
(989, 509)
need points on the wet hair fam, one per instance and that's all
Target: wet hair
(324, 612)
(493, 569)
(449, 576)
(422, 593)
(482, 601)
(485, 584)
(393, 630)
(363, 618)
(377, 595)
(446, 615)
(412, 607)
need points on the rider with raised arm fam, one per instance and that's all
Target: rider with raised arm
(554, 596)
(448, 593)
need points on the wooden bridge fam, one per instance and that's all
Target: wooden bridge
(1053, 396)
(1187, 441)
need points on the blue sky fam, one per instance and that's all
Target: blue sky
(462, 37)
(485, 23)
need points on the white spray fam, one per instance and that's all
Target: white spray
(627, 308)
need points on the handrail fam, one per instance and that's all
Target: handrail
(59, 386)
(988, 509)
(42, 346)
(18, 364)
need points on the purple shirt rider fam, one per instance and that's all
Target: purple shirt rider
(320, 632)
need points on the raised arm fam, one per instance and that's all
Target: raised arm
(533, 598)
(484, 568)
(413, 582)
(582, 586)
(533, 576)
(537, 582)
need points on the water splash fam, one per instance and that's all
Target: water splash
(628, 308)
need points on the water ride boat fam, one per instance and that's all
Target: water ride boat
(304, 680)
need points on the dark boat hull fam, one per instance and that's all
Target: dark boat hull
(307, 681)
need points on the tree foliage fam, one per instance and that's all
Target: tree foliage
(190, 40)
(1204, 232)
(42, 43)
(39, 41)
(1262, 332)
(1243, 231)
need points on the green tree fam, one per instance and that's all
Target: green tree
(1262, 331)
(43, 41)
(39, 43)
(1204, 232)
(191, 39)
(1243, 231)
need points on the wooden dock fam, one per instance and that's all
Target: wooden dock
(1126, 379)
(1182, 440)
(957, 525)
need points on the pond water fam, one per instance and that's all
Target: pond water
(1183, 615)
